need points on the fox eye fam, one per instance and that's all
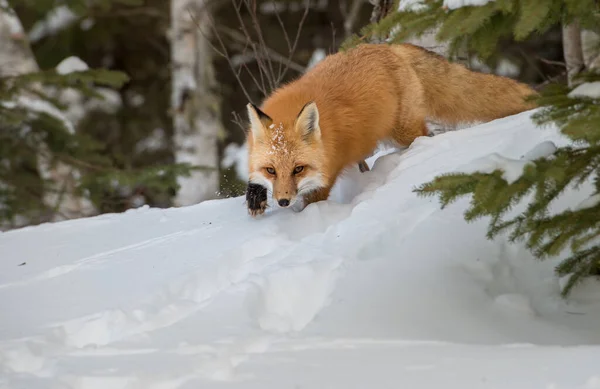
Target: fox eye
(298, 169)
(270, 170)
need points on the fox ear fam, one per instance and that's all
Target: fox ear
(307, 123)
(258, 121)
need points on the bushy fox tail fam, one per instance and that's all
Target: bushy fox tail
(454, 94)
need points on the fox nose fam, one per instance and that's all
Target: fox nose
(284, 202)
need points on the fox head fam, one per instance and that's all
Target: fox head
(286, 154)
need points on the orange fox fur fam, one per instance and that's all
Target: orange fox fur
(332, 117)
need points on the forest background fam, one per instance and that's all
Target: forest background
(114, 104)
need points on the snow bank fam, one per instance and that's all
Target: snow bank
(511, 168)
(372, 288)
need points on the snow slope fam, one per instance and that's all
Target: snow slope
(375, 288)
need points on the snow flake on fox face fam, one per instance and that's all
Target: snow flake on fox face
(279, 144)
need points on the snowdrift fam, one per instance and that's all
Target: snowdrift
(374, 288)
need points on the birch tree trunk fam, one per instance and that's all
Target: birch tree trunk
(581, 50)
(381, 8)
(572, 50)
(15, 54)
(590, 46)
(16, 58)
(195, 106)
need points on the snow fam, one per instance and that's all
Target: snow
(236, 156)
(317, 56)
(12, 21)
(71, 65)
(411, 5)
(418, 5)
(454, 4)
(87, 24)
(279, 7)
(78, 105)
(375, 287)
(542, 150)
(41, 106)
(587, 89)
(155, 141)
(507, 68)
(57, 20)
(512, 168)
(590, 202)
(279, 144)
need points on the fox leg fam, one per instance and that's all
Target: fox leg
(313, 197)
(363, 167)
(256, 199)
(409, 128)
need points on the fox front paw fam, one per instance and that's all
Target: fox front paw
(256, 199)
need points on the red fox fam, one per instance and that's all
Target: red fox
(308, 131)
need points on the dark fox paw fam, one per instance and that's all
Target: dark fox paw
(256, 199)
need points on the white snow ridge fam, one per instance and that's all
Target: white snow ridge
(375, 288)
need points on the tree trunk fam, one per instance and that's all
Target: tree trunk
(381, 8)
(590, 46)
(195, 105)
(16, 58)
(572, 50)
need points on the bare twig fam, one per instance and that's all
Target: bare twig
(293, 50)
(264, 70)
(333, 48)
(253, 44)
(267, 79)
(275, 56)
(261, 39)
(285, 36)
(551, 80)
(350, 16)
(239, 121)
(550, 62)
(223, 53)
(532, 63)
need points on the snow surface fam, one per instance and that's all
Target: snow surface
(512, 168)
(374, 288)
